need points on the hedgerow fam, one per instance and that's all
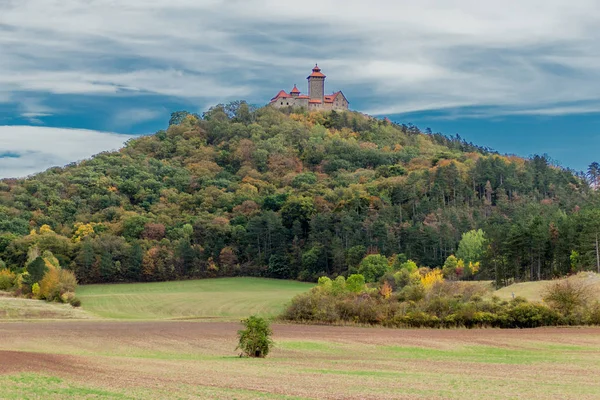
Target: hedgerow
(440, 304)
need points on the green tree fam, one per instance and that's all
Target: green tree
(134, 226)
(299, 209)
(186, 256)
(355, 254)
(471, 246)
(355, 283)
(85, 260)
(593, 174)
(450, 266)
(373, 267)
(178, 117)
(36, 270)
(279, 267)
(255, 339)
(107, 266)
(134, 262)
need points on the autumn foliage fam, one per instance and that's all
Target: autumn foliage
(240, 190)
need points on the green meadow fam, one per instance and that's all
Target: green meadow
(222, 299)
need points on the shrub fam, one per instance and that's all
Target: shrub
(418, 319)
(413, 292)
(67, 297)
(405, 277)
(593, 317)
(355, 283)
(75, 302)
(483, 318)
(49, 285)
(445, 304)
(324, 284)
(255, 340)
(464, 291)
(35, 289)
(56, 283)
(7, 279)
(531, 315)
(386, 290)
(361, 309)
(567, 296)
(67, 280)
(431, 278)
(338, 286)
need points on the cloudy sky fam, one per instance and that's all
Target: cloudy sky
(79, 76)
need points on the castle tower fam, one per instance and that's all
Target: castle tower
(316, 84)
(295, 91)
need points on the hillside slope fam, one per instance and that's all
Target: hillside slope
(534, 291)
(278, 194)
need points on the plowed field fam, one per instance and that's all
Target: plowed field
(173, 359)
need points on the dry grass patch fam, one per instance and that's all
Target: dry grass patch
(534, 291)
(12, 309)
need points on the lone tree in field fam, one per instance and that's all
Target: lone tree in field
(255, 340)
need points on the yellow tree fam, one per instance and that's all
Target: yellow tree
(431, 278)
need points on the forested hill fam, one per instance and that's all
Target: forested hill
(272, 193)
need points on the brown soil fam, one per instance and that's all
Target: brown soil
(129, 354)
(19, 361)
(115, 330)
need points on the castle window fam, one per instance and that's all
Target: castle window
(287, 104)
(282, 103)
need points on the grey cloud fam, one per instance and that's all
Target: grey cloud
(393, 56)
(39, 148)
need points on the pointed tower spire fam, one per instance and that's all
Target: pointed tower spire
(295, 91)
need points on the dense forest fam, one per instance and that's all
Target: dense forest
(276, 193)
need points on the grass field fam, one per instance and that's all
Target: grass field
(222, 299)
(183, 359)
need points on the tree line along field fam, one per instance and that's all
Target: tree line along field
(228, 299)
(223, 299)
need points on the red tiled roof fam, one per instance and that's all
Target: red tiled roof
(331, 97)
(303, 97)
(316, 72)
(295, 90)
(281, 94)
(315, 101)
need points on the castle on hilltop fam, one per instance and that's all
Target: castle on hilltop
(316, 98)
